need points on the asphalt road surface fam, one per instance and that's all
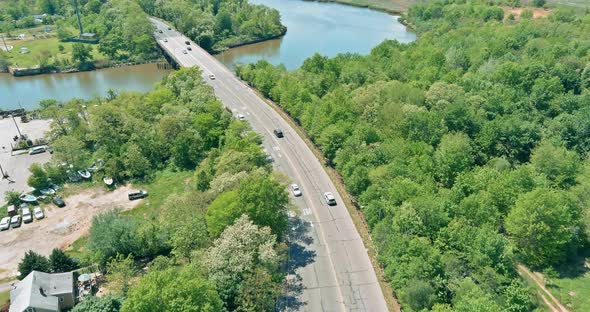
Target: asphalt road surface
(329, 268)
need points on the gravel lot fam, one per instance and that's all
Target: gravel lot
(61, 226)
(17, 166)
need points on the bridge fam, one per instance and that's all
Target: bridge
(326, 253)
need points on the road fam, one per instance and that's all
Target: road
(328, 263)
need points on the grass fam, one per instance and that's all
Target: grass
(39, 47)
(4, 297)
(572, 288)
(78, 248)
(164, 184)
(575, 3)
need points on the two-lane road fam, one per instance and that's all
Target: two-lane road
(326, 251)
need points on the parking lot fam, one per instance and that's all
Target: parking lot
(60, 227)
(17, 166)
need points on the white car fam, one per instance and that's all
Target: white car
(296, 190)
(5, 224)
(165, 40)
(37, 150)
(212, 77)
(241, 117)
(330, 200)
(184, 51)
(27, 216)
(15, 221)
(38, 212)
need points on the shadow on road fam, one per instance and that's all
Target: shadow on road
(299, 256)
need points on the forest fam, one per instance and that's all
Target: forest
(466, 149)
(215, 243)
(216, 25)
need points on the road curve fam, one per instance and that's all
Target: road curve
(329, 267)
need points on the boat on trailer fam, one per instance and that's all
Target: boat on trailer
(28, 198)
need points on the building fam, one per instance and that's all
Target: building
(44, 292)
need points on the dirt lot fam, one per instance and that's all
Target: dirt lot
(537, 12)
(61, 226)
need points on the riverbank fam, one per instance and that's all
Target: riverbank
(394, 7)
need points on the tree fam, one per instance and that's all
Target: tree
(544, 225)
(70, 150)
(82, 56)
(108, 303)
(12, 198)
(539, 3)
(258, 293)
(173, 289)
(111, 235)
(60, 262)
(136, 164)
(453, 156)
(33, 261)
(556, 163)
(241, 248)
(419, 295)
(38, 178)
(120, 271)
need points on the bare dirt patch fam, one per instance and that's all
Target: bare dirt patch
(61, 226)
(537, 12)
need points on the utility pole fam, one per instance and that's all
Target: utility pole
(4, 174)
(4, 41)
(16, 125)
(78, 15)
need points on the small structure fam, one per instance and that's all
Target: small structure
(24, 50)
(11, 210)
(88, 36)
(44, 292)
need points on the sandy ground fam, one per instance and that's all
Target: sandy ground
(537, 12)
(17, 166)
(61, 226)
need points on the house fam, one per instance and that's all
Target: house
(44, 292)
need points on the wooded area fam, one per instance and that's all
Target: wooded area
(466, 149)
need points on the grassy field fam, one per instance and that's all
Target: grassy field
(4, 296)
(572, 288)
(40, 47)
(576, 3)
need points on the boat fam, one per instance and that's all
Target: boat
(84, 174)
(73, 177)
(93, 168)
(108, 181)
(47, 191)
(28, 198)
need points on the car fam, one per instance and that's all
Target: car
(184, 52)
(212, 77)
(5, 224)
(241, 117)
(189, 48)
(169, 28)
(165, 40)
(38, 212)
(160, 31)
(27, 216)
(59, 202)
(296, 190)
(269, 159)
(15, 221)
(187, 42)
(279, 132)
(330, 198)
(137, 194)
(37, 150)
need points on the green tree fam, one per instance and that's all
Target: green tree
(108, 303)
(258, 293)
(120, 271)
(82, 56)
(453, 156)
(12, 198)
(33, 261)
(544, 225)
(70, 150)
(60, 262)
(419, 295)
(173, 289)
(136, 164)
(111, 235)
(38, 178)
(556, 163)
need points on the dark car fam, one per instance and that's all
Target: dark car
(187, 42)
(189, 48)
(279, 132)
(138, 194)
(59, 202)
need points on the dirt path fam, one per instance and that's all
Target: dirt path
(61, 226)
(553, 304)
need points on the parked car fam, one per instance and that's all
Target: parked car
(133, 195)
(279, 132)
(330, 198)
(27, 216)
(37, 150)
(296, 190)
(38, 212)
(5, 223)
(59, 202)
(15, 221)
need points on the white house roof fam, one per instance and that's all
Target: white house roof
(38, 290)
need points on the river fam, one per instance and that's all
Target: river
(325, 28)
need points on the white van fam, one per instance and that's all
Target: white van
(37, 150)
